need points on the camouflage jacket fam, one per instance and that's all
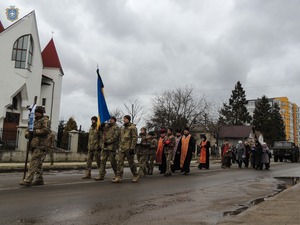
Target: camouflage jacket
(93, 143)
(143, 145)
(172, 142)
(110, 137)
(128, 137)
(51, 140)
(153, 146)
(40, 133)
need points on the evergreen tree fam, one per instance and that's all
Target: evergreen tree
(262, 115)
(70, 125)
(60, 133)
(268, 121)
(277, 125)
(235, 113)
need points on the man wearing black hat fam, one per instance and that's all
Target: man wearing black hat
(127, 143)
(38, 146)
(160, 156)
(93, 148)
(177, 151)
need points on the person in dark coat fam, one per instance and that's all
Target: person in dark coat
(240, 153)
(160, 157)
(247, 154)
(258, 155)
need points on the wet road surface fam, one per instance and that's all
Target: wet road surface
(204, 197)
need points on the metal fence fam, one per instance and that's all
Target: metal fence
(8, 139)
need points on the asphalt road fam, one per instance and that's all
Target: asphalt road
(204, 197)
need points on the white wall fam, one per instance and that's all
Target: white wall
(13, 80)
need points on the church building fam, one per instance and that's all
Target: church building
(27, 73)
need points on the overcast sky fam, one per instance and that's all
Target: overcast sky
(144, 47)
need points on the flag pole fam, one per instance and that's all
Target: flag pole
(30, 128)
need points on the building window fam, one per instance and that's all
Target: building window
(44, 102)
(23, 52)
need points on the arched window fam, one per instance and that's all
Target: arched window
(23, 52)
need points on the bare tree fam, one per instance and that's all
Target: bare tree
(177, 108)
(135, 110)
(118, 114)
(209, 121)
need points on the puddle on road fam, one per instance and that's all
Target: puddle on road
(288, 183)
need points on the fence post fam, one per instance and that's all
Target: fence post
(21, 141)
(73, 141)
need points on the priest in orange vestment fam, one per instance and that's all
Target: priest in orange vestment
(204, 153)
(187, 146)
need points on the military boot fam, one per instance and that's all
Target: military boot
(87, 175)
(117, 180)
(38, 182)
(99, 178)
(135, 178)
(25, 183)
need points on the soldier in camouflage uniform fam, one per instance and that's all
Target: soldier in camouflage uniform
(51, 147)
(93, 148)
(169, 144)
(50, 142)
(109, 146)
(38, 146)
(127, 143)
(142, 151)
(151, 152)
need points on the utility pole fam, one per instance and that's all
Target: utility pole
(132, 115)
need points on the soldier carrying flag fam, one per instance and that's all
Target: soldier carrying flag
(37, 136)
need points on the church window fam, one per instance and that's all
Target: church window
(23, 52)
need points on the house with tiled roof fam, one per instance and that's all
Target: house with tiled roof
(26, 73)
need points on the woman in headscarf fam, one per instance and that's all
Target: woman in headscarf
(265, 160)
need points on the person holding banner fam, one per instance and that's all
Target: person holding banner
(38, 147)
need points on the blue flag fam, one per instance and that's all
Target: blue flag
(103, 114)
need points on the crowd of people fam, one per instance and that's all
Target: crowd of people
(256, 154)
(170, 152)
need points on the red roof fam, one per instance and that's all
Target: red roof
(50, 56)
(1, 27)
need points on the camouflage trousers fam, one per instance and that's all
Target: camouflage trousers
(36, 165)
(50, 150)
(143, 165)
(150, 163)
(120, 163)
(105, 155)
(93, 154)
(169, 161)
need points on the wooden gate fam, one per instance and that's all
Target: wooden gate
(9, 135)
